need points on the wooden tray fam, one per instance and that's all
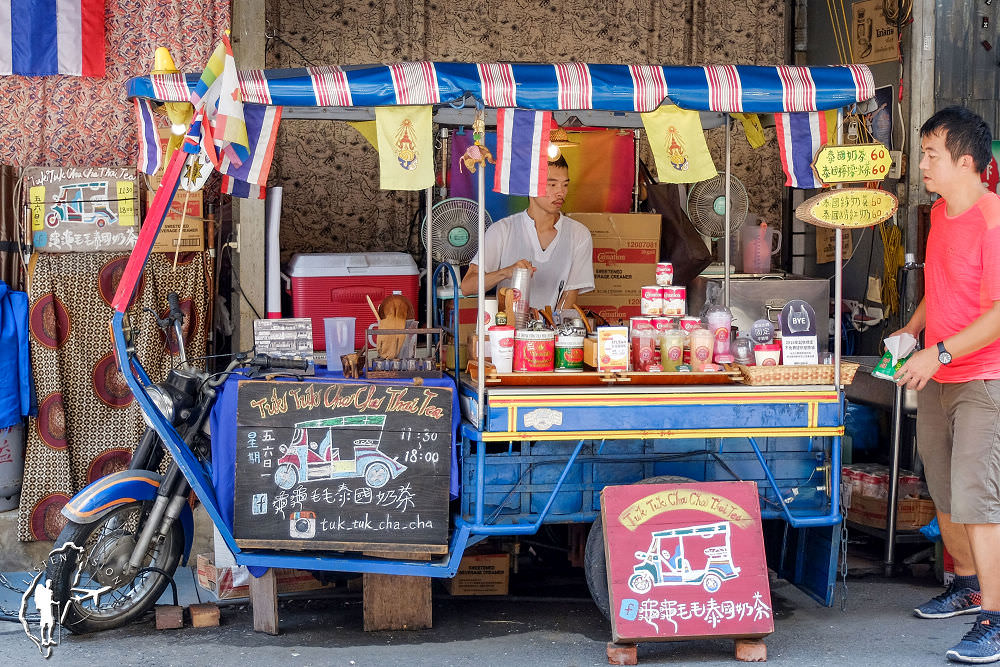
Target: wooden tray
(593, 378)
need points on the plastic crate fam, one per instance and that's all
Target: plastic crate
(519, 476)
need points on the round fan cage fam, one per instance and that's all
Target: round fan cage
(453, 230)
(706, 205)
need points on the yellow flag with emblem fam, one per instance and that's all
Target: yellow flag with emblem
(752, 128)
(678, 144)
(405, 147)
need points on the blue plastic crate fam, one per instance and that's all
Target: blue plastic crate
(520, 476)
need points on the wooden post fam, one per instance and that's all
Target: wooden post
(395, 602)
(264, 602)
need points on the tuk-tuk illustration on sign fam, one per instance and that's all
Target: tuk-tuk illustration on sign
(312, 456)
(70, 205)
(679, 556)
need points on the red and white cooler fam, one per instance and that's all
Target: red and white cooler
(336, 284)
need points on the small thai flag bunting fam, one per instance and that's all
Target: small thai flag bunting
(150, 150)
(218, 95)
(800, 135)
(52, 37)
(522, 152)
(248, 180)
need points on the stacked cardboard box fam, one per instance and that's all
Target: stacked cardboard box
(229, 583)
(481, 574)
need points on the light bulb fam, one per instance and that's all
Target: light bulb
(553, 151)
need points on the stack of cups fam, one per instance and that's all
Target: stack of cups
(520, 284)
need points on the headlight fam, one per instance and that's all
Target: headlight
(163, 402)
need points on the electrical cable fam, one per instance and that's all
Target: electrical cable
(235, 278)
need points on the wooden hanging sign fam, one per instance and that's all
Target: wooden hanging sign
(852, 163)
(850, 208)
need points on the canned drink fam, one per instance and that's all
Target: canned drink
(636, 324)
(664, 274)
(533, 350)
(569, 354)
(652, 300)
(689, 323)
(674, 301)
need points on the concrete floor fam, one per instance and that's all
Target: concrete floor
(874, 627)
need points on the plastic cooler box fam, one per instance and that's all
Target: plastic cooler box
(336, 284)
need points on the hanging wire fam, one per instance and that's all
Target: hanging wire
(270, 32)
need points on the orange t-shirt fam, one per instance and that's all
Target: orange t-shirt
(961, 282)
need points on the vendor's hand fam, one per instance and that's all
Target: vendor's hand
(520, 264)
(900, 332)
(918, 369)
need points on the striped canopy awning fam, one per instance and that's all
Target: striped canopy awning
(560, 86)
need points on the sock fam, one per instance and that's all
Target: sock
(971, 581)
(992, 616)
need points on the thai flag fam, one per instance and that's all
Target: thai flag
(42, 37)
(150, 150)
(251, 176)
(522, 152)
(800, 135)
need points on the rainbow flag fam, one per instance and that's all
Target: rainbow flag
(218, 94)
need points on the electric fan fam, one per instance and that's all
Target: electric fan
(706, 208)
(454, 225)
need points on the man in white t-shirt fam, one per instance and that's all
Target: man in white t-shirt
(558, 250)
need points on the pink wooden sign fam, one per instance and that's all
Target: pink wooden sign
(685, 561)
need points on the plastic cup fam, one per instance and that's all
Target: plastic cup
(502, 347)
(339, 336)
(767, 354)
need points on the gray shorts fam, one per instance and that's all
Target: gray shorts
(958, 437)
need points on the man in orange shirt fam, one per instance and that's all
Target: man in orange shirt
(958, 373)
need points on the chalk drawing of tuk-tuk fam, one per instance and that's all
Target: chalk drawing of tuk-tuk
(71, 206)
(312, 454)
(695, 555)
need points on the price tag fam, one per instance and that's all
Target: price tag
(853, 163)
(850, 208)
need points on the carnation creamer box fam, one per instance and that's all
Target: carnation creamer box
(336, 284)
(626, 249)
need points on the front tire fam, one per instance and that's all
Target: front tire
(107, 544)
(377, 475)
(595, 564)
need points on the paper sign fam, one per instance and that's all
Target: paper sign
(856, 163)
(826, 245)
(873, 38)
(798, 334)
(685, 560)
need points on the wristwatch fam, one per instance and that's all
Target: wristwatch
(944, 356)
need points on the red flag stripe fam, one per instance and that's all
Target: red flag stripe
(863, 82)
(649, 86)
(798, 88)
(253, 86)
(575, 86)
(724, 89)
(92, 38)
(330, 86)
(415, 83)
(497, 81)
(170, 87)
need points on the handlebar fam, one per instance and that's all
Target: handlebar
(260, 362)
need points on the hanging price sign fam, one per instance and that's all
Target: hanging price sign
(854, 163)
(850, 208)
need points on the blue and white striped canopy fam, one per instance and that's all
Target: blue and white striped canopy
(560, 86)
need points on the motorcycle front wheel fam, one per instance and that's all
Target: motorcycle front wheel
(90, 586)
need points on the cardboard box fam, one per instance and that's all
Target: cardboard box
(192, 239)
(481, 574)
(912, 513)
(229, 583)
(626, 249)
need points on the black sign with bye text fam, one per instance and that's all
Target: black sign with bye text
(342, 465)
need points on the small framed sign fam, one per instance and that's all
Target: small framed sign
(685, 561)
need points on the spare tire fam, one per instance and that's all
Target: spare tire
(595, 567)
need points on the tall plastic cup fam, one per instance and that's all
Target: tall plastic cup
(502, 347)
(520, 284)
(339, 333)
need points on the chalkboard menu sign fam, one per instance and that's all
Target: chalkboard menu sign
(346, 466)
